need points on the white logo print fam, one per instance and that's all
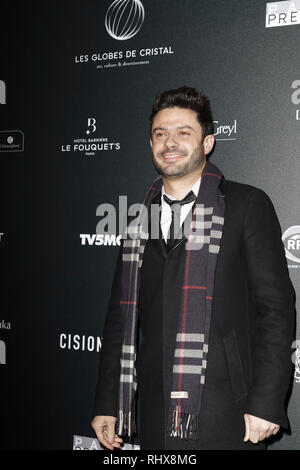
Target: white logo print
(90, 443)
(124, 19)
(2, 92)
(284, 13)
(296, 360)
(291, 240)
(297, 365)
(2, 352)
(92, 124)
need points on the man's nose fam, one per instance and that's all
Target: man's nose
(171, 141)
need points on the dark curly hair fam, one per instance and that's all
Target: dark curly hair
(189, 98)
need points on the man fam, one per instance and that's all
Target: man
(201, 318)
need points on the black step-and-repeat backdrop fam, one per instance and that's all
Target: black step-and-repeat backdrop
(77, 81)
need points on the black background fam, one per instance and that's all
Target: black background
(50, 283)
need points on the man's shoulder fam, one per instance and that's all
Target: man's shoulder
(243, 192)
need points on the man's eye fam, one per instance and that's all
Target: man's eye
(184, 133)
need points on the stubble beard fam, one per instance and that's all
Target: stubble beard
(180, 169)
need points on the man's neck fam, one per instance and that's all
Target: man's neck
(178, 187)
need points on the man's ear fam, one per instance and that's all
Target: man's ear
(208, 143)
(150, 142)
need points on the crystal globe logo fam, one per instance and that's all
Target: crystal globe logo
(124, 19)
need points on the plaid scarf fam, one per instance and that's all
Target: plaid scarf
(191, 350)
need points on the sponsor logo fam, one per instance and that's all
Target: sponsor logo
(91, 126)
(2, 92)
(296, 360)
(100, 239)
(11, 141)
(89, 443)
(2, 352)
(295, 97)
(291, 241)
(79, 342)
(225, 131)
(5, 325)
(116, 59)
(285, 13)
(91, 145)
(124, 19)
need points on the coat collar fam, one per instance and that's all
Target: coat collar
(222, 186)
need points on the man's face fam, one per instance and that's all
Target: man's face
(176, 141)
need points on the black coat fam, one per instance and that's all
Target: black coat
(252, 327)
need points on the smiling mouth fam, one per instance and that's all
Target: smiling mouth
(171, 157)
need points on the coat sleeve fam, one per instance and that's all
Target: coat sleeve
(107, 389)
(274, 297)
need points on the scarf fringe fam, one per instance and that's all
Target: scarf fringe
(183, 423)
(126, 424)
